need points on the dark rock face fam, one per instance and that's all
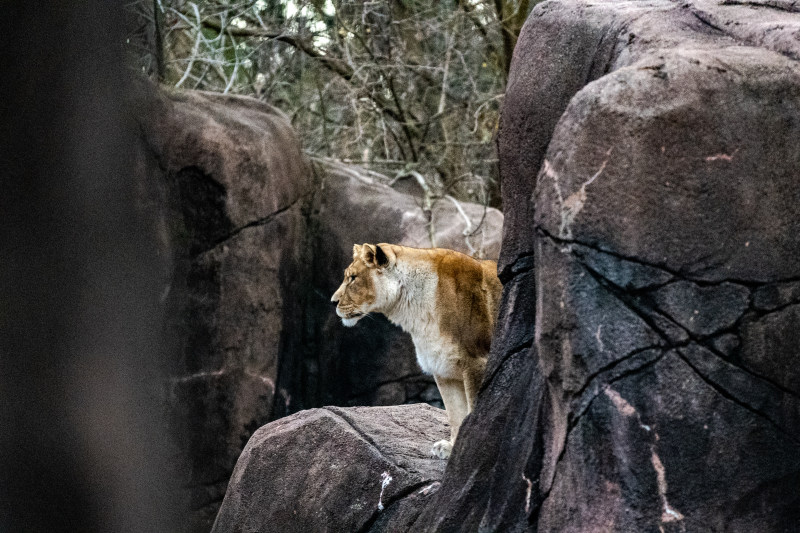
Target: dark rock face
(258, 240)
(236, 183)
(336, 469)
(643, 375)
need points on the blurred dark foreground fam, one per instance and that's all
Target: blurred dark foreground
(81, 432)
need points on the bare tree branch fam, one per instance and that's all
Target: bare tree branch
(410, 86)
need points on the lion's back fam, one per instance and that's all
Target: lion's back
(467, 299)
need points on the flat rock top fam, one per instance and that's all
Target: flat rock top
(326, 469)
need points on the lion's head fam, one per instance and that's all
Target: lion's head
(369, 285)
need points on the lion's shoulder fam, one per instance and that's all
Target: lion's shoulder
(466, 295)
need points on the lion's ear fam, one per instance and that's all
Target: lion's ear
(356, 251)
(377, 256)
(368, 254)
(384, 256)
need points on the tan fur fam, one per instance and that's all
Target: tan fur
(446, 300)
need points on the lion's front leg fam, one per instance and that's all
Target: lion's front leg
(455, 403)
(473, 376)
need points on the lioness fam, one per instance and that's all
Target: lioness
(446, 300)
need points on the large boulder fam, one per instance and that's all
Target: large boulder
(336, 469)
(643, 372)
(235, 181)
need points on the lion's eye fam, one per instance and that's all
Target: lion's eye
(352, 278)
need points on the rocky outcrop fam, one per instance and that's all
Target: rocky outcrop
(257, 238)
(641, 377)
(236, 183)
(335, 469)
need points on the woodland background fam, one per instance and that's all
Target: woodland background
(403, 88)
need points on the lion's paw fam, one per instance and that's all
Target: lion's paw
(442, 449)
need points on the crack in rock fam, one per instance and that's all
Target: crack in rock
(694, 361)
(666, 327)
(258, 222)
(339, 414)
(631, 364)
(522, 263)
(568, 246)
(708, 19)
(703, 311)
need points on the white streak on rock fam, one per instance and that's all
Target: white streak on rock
(550, 173)
(427, 489)
(669, 514)
(264, 379)
(198, 376)
(575, 201)
(385, 480)
(722, 157)
(527, 493)
(620, 403)
(597, 336)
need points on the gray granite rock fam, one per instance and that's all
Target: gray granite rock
(336, 469)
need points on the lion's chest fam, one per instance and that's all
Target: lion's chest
(437, 357)
(419, 316)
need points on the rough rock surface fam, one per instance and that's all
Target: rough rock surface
(643, 376)
(235, 179)
(326, 470)
(257, 239)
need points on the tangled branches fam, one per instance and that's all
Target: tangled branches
(399, 87)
